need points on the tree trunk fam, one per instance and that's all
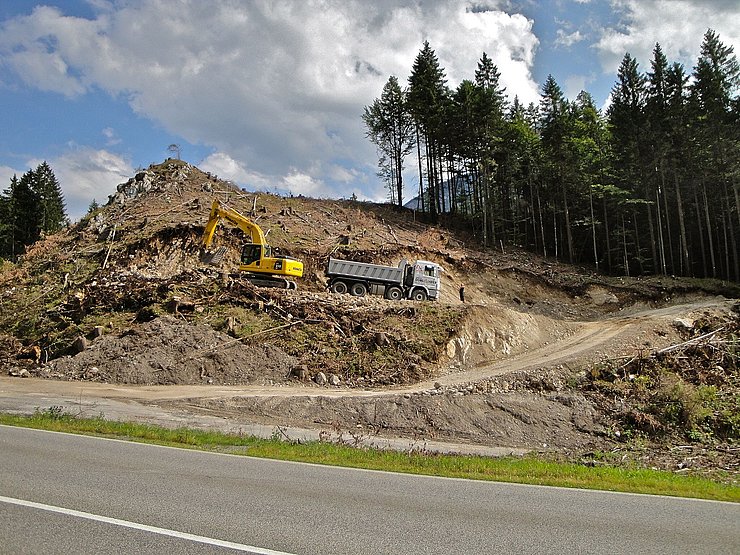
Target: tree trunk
(607, 234)
(421, 173)
(661, 246)
(542, 222)
(685, 262)
(568, 231)
(709, 230)
(699, 227)
(624, 245)
(666, 214)
(593, 227)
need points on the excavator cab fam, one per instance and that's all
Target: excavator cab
(251, 253)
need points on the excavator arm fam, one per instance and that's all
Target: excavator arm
(256, 260)
(219, 212)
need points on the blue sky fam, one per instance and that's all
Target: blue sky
(269, 94)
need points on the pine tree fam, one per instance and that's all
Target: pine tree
(555, 123)
(716, 81)
(428, 97)
(390, 128)
(51, 212)
(7, 222)
(627, 123)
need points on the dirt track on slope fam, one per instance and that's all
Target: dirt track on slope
(521, 402)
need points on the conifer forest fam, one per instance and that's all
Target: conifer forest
(649, 186)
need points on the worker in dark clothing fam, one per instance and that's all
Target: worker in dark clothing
(462, 293)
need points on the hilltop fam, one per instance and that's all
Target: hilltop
(541, 353)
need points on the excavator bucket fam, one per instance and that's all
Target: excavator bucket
(213, 258)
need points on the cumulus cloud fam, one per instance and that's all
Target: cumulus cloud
(678, 25)
(276, 87)
(87, 174)
(568, 39)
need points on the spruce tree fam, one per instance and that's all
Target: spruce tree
(51, 214)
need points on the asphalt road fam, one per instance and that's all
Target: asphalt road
(62, 493)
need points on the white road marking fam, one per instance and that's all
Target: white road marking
(143, 527)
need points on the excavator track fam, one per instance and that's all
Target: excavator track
(269, 281)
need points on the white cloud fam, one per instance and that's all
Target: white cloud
(678, 25)
(568, 39)
(83, 173)
(6, 174)
(276, 87)
(111, 138)
(86, 174)
(574, 84)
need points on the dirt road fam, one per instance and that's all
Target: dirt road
(441, 413)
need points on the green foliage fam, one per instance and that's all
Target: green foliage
(650, 187)
(32, 205)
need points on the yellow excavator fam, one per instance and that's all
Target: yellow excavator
(257, 261)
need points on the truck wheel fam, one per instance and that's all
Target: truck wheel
(339, 287)
(419, 295)
(359, 289)
(394, 293)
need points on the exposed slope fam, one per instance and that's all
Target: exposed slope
(130, 281)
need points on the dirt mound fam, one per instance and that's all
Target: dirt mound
(168, 350)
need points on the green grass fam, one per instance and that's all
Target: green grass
(524, 470)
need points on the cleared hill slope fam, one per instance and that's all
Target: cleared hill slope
(531, 358)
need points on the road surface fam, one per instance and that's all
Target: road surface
(62, 493)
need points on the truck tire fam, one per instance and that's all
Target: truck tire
(358, 289)
(393, 293)
(339, 287)
(419, 295)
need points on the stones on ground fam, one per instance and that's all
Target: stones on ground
(320, 378)
(300, 372)
(683, 324)
(334, 379)
(80, 344)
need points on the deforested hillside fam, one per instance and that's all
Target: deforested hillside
(539, 353)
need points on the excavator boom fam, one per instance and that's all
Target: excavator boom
(257, 262)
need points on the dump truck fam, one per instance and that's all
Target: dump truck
(259, 263)
(419, 280)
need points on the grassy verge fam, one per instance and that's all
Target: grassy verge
(524, 470)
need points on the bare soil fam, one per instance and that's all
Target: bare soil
(514, 366)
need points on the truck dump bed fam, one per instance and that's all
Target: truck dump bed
(360, 270)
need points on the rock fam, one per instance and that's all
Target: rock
(683, 324)
(80, 344)
(300, 372)
(320, 378)
(334, 379)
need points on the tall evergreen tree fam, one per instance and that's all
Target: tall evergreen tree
(627, 123)
(716, 81)
(51, 211)
(428, 97)
(390, 128)
(555, 125)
